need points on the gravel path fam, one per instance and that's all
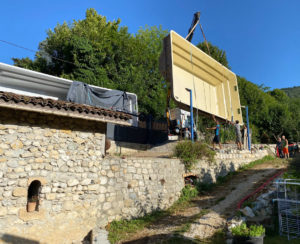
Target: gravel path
(221, 202)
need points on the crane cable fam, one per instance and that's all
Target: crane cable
(191, 57)
(204, 38)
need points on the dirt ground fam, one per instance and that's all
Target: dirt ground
(221, 202)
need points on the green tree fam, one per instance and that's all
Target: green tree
(216, 53)
(102, 53)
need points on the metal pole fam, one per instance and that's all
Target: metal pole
(192, 117)
(248, 130)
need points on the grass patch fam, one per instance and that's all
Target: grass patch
(218, 238)
(256, 162)
(122, 229)
(293, 171)
(277, 239)
(189, 152)
(187, 194)
(119, 230)
(180, 240)
(186, 226)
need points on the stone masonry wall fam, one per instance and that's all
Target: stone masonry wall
(224, 163)
(81, 189)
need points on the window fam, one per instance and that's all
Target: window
(33, 196)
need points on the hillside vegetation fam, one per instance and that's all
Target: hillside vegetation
(103, 53)
(292, 91)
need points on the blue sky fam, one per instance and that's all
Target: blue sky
(261, 37)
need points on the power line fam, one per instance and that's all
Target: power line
(62, 60)
(34, 51)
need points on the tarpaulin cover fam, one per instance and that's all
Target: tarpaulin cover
(82, 93)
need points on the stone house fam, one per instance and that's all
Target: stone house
(55, 146)
(55, 150)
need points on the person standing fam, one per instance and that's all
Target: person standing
(238, 134)
(217, 128)
(279, 147)
(245, 137)
(187, 134)
(285, 147)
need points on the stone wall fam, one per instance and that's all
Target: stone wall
(225, 162)
(63, 154)
(81, 189)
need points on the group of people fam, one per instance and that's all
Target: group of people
(238, 133)
(282, 147)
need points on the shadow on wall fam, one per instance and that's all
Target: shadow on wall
(206, 176)
(146, 206)
(17, 240)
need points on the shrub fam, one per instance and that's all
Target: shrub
(256, 230)
(189, 152)
(240, 230)
(243, 231)
(187, 193)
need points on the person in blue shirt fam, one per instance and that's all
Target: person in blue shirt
(217, 128)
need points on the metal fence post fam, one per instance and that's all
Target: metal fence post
(248, 130)
(191, 114)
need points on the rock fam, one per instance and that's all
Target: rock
(93, 187)
(3, 211)
(101, 237)
(39, 160)
(73, 182)
(247, 212)
(51, 196)
(68, 205)
(26, 155)
(206, 226)
(13, 210)
(27, 168)
(106, 206)
(235, 222)
(115, 168)
(110, 174)
(2, 160)
(102, 189)
(19, 192)
(101, 197)
(103, 180)
(19, 170)
(46, 189)
(7, 194)
(86, 182)
(12, 164)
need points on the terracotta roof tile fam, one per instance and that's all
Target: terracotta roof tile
(9, 97)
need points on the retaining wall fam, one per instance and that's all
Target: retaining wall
(82, 189)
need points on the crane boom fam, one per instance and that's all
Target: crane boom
(196, 20)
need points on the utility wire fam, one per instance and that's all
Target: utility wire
(34, 51)
(62, 60)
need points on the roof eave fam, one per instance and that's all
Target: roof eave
(73, 114)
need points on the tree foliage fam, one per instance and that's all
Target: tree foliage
(215, 52)
(271, 113)
(103, 53)
(292, 91)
